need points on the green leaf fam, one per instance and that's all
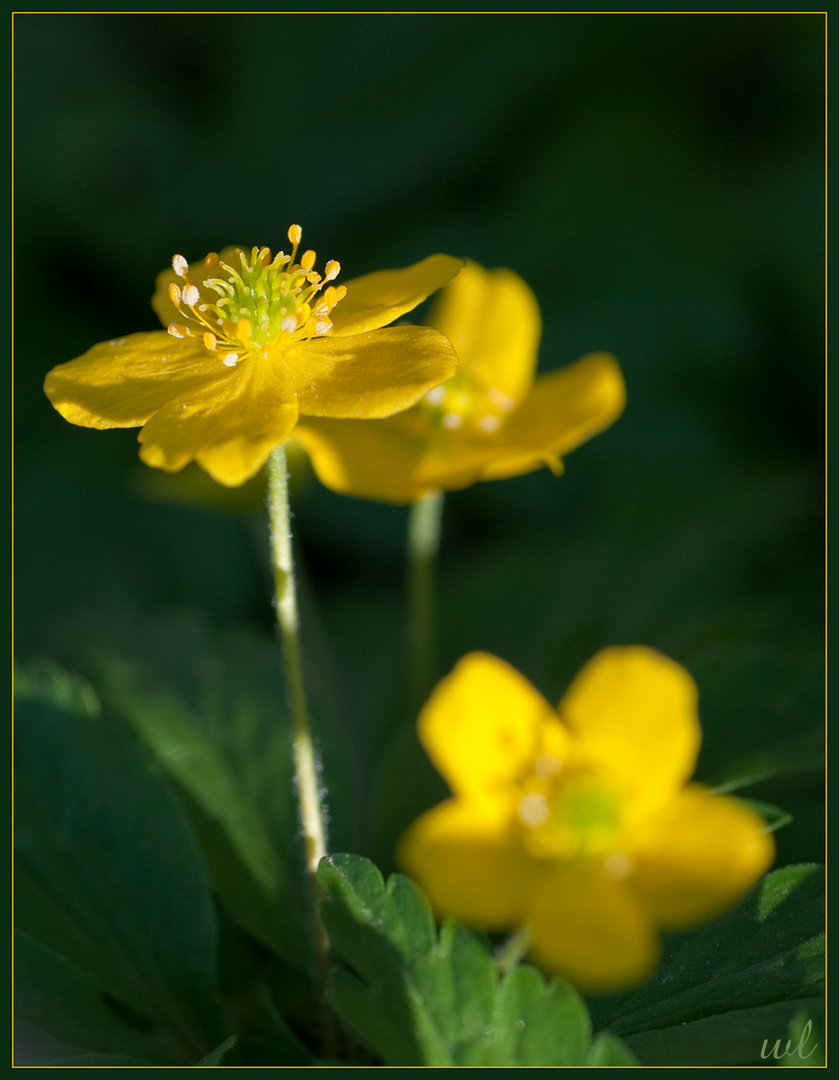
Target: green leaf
(109, 875)
(805, 1045)
(212, 710)
(414, 997)
(215, 1056)
(608, 1050)
(62, 1018)
(774, 816)
(241, 837)
(720, 991)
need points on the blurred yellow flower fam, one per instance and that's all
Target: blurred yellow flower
(490, 421)
(252, 342)
(578, 825)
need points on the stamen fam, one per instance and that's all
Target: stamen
(308, 260)
(533, 809)
(618, 865)
(333, 269)
(190, 295)
(498, 398)
(175, 294)
(289, 324)
(230, 360)
(180, 266)
(547, 765)
(178, 331)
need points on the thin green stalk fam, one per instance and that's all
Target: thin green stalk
(423, 543)
(513, 950)
(305, 765)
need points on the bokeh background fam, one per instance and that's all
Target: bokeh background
(657, 179)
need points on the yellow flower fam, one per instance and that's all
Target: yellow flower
(579, 825)
(490, 421)
(252, 342)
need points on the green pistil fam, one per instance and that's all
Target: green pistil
(588, 812)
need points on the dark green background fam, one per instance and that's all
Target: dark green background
(657, 179)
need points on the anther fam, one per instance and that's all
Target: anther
(190, 295)
(175, 294)
(294, 234)
(210, 342)
(289, 324)
(230, 359)
(333, 269)
(180, 265)
(308, 260)
(533, 809)
(178, 331)
(618, 865)
(501, 400)
(489, 424)
(452, 421)
(436, 396)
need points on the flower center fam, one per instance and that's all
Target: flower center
(254, 303)
(568, 814)
(463, 402)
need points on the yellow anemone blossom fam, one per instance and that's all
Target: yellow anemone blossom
(251, 343)
(579, 825)
(492, 420)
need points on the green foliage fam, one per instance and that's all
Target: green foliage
(416, 998)
(720, 991)
(215, 1056)
(108, 875)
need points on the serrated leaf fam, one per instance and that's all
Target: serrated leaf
(110, 875)
(414, 997)
(721, 990)
(608, 1050)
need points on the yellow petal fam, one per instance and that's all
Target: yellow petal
(229, 431)
(456, 459)
(371, 459)
(121, 383)
(469, 864)
(377, 299)
(493, 321)
(481, 726)
(633, 714)
(700, 854)
(590, 928)
(567, 407)
(367, 375)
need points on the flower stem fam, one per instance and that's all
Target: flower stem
(512, 951)
(305, 765)
(423, 544)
